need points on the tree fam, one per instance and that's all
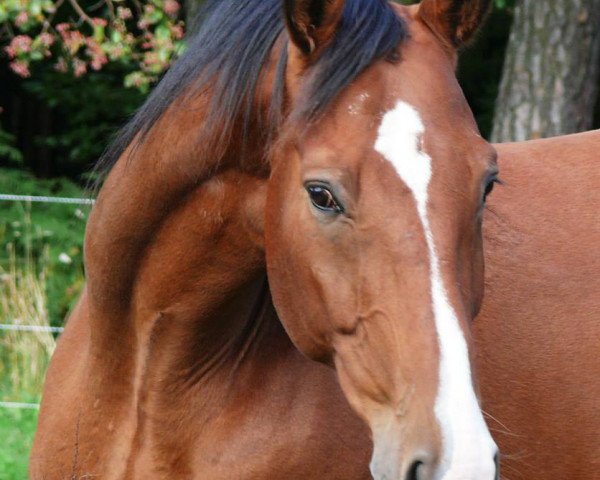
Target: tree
(551, 75)
(71, 71)
(76, 38)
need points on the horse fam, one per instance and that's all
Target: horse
(537, 338)
(284, 261)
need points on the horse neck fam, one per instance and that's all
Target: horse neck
(174, 259)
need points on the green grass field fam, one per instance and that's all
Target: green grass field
(16, 435)
(52, 231)
(41, 275)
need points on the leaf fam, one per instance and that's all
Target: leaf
(116, 37)
(35, 8)
(99, 34)
(162, 32)
(7, 149)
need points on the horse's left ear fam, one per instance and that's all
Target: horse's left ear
(311, 24)
(456, 21)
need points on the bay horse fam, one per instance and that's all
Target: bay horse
(284, 260)
(537, 338)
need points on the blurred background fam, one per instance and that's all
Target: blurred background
(73, 71)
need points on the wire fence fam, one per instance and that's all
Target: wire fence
(15, 327)
(35, 328)
(39, 199)
(20, 405)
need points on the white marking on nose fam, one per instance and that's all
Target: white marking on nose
(468, 449)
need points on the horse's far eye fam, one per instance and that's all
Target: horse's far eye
(322, 198)
(489, 186)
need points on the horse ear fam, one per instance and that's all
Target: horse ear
(311, 24)
(456, 21)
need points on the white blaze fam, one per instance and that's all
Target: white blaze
(468, 448)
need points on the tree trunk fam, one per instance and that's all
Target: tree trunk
(551, 74)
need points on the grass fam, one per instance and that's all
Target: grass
(57, 228)
(24, 356)
(23, 300)
(41, 274)
(16, 431)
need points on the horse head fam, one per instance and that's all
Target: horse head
(373, 228)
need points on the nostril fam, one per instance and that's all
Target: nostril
(415, 471)
(497, 462)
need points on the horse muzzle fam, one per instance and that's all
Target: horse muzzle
(393, 459)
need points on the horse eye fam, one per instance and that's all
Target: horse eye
(489, 186)
(322, 198)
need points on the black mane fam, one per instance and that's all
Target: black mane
(235, 40)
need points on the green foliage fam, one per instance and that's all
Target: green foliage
(7, 148)
(17, 428)
(32, 230)
(144, 35)
(91, 109)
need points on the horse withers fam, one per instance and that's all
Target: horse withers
(316, 158)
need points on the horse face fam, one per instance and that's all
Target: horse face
(374, 251)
